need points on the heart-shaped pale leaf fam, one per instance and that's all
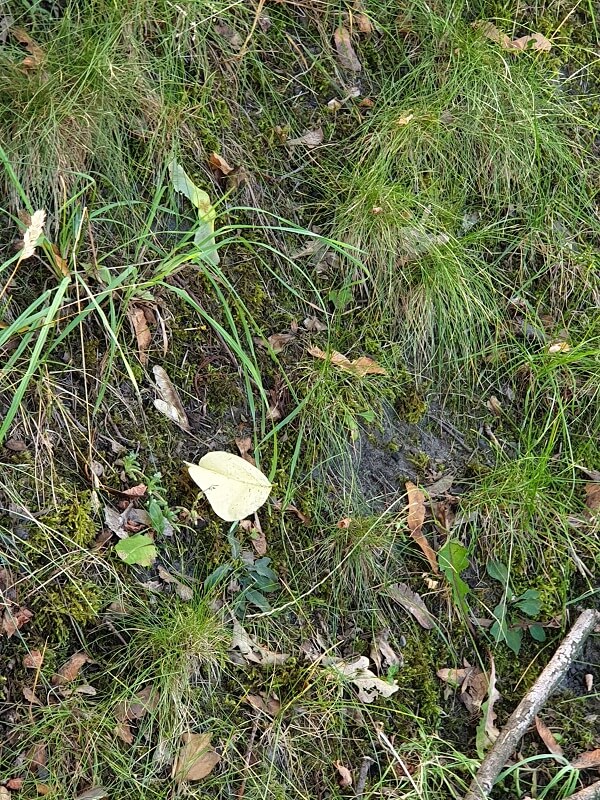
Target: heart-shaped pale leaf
(233, 487)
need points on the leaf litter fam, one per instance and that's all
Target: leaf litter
(169, 402)
(251, 652)
(196, 758)
(360, 366)
(413, 603)
(547, 737)
(416, 518)
(370, 687)
(346, 54)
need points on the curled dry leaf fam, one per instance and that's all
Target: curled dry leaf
(15, 784)
(547, 737)
(360, 366)
(345, 51)
(369, 686)
(559, 347)
(218, 162)
(37, 756)
(279, 341)
(404, 119)
(169, 403)
(291, 509)
(31, 696)
(95, 793)
(589, 760)
(416, 518)
(412, 602)
(251, 651)
(36, 56)
(534, 41)
(14, 618)
(314, 325)
(33, 660)
(182, 591)
(452, 676)
(344, 523)
(474, 689)
(487, 732)
(135, 491)
(196, 758)
(382, 653)
(143, 334)
(345, 776)
(264, 702)
(310, 138)
(244, 445)
(34, 231)
(440, 487)
(70, 669)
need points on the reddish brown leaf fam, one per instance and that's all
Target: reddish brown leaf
(279, 341)
(592, 496)
(123, 731)
(136, 491)
(263, 702)
(70, 669)
(15, 784)
(416, 518)
(143, 334)
(344, 523)
(33, 659)
(345, 776)
(547, 737)
(218, 162)
(145, 700)
(14, 618)
(36, 56)
(16, 445)
(360, 366)
(244, 445)
(37, 756)
(589, 760)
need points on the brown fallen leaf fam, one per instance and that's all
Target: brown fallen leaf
(33, 659)
(136, 491)
(70, 669)
(264, 702)
(31, 696)
(251, 651)
(142, 333)
(382, 653)
(42, 789)
(452, 676)
(37, 756)
(310, 138)
(592, 496)
(196, 758)
(245, 446)
(404, 119)
(14, 618)
(547, 737)
(370, 687)
(279, 341)
(412, 602)
(4, 793)
(123, 731)
(218, 162)
(487, 731)
(589, 760)
(363, 23)
(440, 487)
(345, 51)
(169, 403)
(474, 689)
(229, 34)
(16, 445)
(15, 784)
(36, 56)
(416, 518)
(314, 325)
(182, 591)
(360, 366)
(345, 776)
(534, 41)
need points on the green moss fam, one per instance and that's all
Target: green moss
(71, 518)
(79, 601)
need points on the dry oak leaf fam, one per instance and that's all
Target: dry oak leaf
(345, 776)
(264, 702)
(196, 758)
(360, 366)
(36, 56)
(547, 737)
(416, 518)
(534, 41)
(345, 52)
(218, 162)
(589, 760)
(143, 334)
(253, 652)
(14, 619)
(31, 696)
(369, 686)
(70, 669)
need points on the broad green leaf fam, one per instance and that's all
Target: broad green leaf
(498, 571)
(138, 549)
(204, 238)
(216, 576)
(453, 559)
(537, 632)
(513, 639)
(259, 600)
(529, 602)
(233, 487)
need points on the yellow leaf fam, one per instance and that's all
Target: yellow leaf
(233, 487)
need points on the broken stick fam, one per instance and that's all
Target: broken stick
(524, 713)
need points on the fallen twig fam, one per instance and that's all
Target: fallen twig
(524, 713)
(591, 792)
(363, 775)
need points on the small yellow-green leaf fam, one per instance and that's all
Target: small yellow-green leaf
(204, 238)
(233, 487)
(138, 549)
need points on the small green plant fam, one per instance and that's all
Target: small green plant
(162, 517)
(453, 560)
(138, 549)
(508, 622)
